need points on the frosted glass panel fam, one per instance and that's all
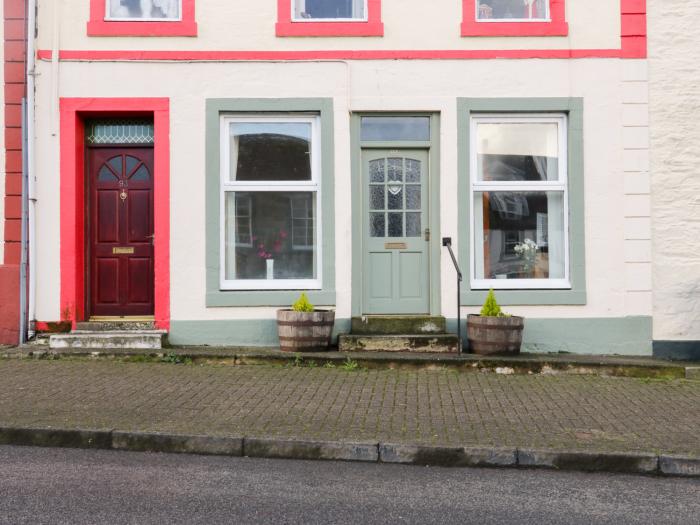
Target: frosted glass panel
(119, 132)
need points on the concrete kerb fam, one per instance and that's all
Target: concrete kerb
(286, 448)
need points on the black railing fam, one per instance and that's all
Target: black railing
(447, 242)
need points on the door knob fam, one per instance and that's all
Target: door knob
(427, 234)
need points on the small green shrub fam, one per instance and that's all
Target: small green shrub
(350, 366)
(302, 304)
(491, 307)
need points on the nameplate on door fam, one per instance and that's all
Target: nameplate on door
(394, 245)
(122, 251)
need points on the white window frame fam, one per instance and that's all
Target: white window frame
(561, 186)
(546, 19)
(306, 246)
(313, 185)
(109, 18)
(249, 218)
(295, 18)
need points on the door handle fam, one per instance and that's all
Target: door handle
(427, 234)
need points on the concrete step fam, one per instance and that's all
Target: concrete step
(100, 340)
(397, 325)
(113, 326)
(433, 343)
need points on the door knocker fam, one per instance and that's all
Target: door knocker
(122, 195)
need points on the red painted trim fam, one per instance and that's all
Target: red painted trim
(98, 26)
(287, 27)
(634, 28)
(446, 54)
(557, 26)
(72, 254)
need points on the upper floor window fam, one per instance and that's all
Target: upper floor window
(330, 10)
(514, 18)
(143, 9)
(329, 18)
(512, 10)
(142, 18)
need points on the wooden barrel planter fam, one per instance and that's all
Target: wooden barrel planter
(495, 335)
(305, 331)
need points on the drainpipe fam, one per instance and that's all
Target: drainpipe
(31, 172)
(25, 217)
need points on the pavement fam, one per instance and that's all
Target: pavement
(429, 416)
(62, 486)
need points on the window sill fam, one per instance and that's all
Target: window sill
(268, 298)
(151, 29)
(329, 29)
(474, 28)
(525, 297)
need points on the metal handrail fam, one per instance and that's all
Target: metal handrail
(447, 242)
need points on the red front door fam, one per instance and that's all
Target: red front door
(121, 231)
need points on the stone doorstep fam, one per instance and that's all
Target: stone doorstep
(113, 326)
(126, 339)
(433, 343)
(397, 325)
(409, 454)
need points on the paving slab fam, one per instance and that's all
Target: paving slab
(433, 416)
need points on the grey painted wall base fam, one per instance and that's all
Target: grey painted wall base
(592, 336)
(236, 332)
(596, 336)
(677, 350)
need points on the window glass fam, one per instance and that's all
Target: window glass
(519, 151)
(270, 235)
(119, 131)
(329, 9)
(520, 235)
(144, 9)
(374, 129)
(519, 202)
(270, 200)
(278, 151)
(512, 9)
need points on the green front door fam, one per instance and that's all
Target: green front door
(396, 265)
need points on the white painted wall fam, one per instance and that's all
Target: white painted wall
(674, 75)
(408, 24)
(616, 280)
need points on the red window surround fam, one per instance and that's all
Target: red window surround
(371, 27)
(98, 26)
(556, 27)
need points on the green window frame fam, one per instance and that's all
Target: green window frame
(215, 109)
(573, 108)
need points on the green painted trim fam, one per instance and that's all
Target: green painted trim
(592, 336)
(433, 147)
(234, 332)
(214, 108)
(574, 108)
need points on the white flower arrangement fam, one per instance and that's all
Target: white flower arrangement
(527, 251)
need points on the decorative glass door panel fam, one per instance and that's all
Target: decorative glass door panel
(396, 266)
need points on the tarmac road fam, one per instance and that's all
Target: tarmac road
(41, 485)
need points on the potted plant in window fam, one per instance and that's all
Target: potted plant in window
(493, 332)
(303, 328)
